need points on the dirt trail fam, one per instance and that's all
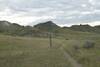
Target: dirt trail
(73, 62)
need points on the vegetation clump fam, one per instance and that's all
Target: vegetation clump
(76, 47)
(89, 44)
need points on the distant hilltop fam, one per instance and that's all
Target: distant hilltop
(47, 26)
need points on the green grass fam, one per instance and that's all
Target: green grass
(30, 52)
(86, 57)
(35, 52)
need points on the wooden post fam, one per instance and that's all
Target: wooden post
(50, 38)
(50, 33)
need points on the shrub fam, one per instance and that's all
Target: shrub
(76, 47)
(66, 39)
(89, 44)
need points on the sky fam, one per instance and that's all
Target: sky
(61, 12)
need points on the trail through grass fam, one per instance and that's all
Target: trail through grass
(86, 57)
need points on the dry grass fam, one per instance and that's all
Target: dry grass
(30, 52)
(87, 57)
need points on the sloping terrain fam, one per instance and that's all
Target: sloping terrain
(19, 51)
(88, 56)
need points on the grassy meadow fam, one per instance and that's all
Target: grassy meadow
(35, 52)
(87, 57)
(30, 52)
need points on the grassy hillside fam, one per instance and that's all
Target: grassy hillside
(85, 28)
(88, 57)
(30, 52)
(35, 51)
(42, 30)
(70, 34)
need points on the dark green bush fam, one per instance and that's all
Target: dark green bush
(89, 44)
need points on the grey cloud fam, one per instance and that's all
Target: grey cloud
(63, 11)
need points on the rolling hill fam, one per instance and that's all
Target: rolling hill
(42, 30)
(85, 28)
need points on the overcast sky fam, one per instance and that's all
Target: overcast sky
(62, 12)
